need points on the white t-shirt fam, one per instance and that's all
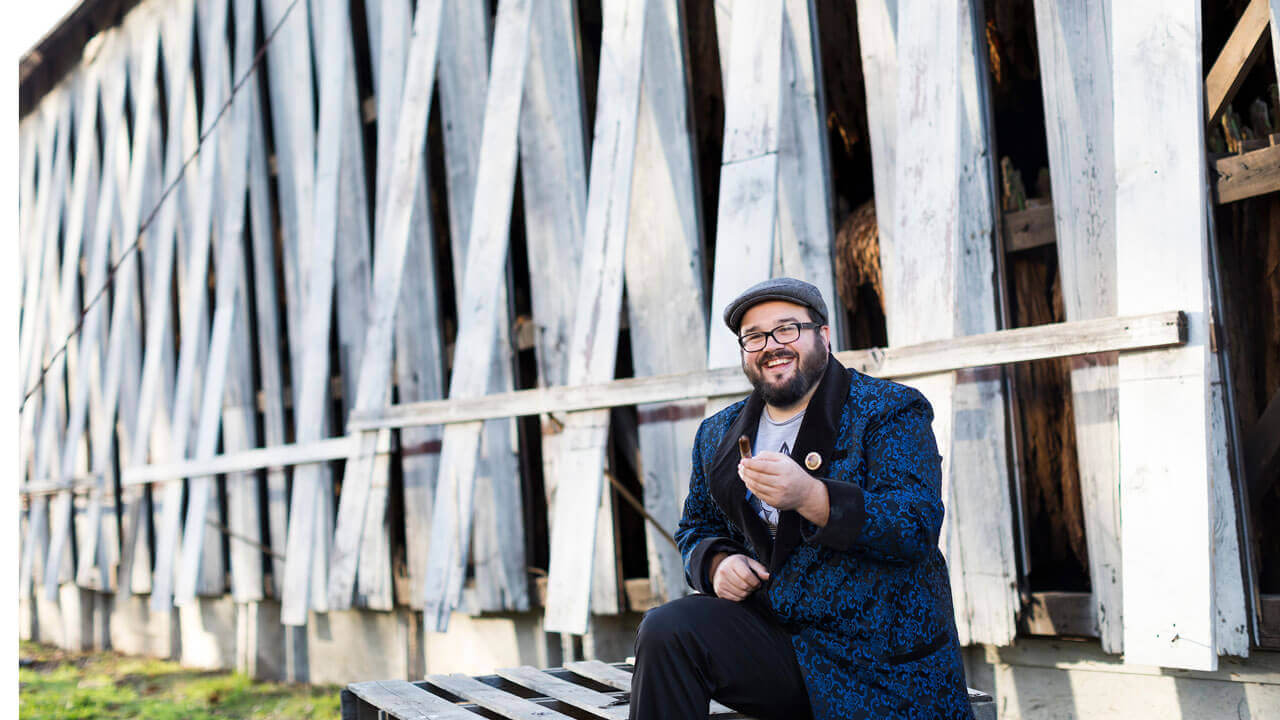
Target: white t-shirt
(773, 437)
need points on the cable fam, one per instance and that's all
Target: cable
(182, 171)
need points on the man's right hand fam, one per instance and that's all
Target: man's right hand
(734, 577)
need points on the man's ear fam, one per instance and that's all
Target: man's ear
(826, 336)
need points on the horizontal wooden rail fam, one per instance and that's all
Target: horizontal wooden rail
(998, 348)
(1247, 175)
(1004, 347)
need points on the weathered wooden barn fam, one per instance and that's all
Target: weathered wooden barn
(368, 338)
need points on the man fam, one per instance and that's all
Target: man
(823, 592)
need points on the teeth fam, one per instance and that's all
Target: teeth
(777, 362)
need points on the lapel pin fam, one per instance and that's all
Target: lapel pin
(813, 461)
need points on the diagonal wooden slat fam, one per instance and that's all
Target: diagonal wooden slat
(313, 387)
(365, 468)
(497, 523)
(593, 344)
(478, 312)
(596, 703)
(746, 218)
(1076, 57)
(407, 701)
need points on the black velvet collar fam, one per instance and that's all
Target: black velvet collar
(817, 434)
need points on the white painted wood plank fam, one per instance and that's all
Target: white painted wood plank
(497, 526)
(665, 284)
(878, 45)
(805, 234)
(313, 386)
(64, 314)
(553, 172)
(980, 479)
(594, 340)
(478, 313)
(746, 218)
(396, 208)
(1167, 489)
(502, 703)
(267, 298)
(596, 703)
(407, 701)
(1075, 57)
(192, 273)
(1159, 330)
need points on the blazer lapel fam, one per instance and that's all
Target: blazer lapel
(817, 434)
(727, 488)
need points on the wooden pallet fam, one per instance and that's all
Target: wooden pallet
(587, 689)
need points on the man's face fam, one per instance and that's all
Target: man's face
(782, 374)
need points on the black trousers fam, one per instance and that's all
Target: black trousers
(699, 647)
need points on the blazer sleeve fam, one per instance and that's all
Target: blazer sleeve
(703, 531)
(898, 516)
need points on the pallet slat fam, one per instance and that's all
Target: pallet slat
(491, 698)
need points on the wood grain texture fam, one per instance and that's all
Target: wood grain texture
(664, 279)
(478, 311)
(1173, 516)
(497, 522)
(1249, 174)
(366, 468)
(1242, 50)
(1075, 53)
(746, 217)
(594, 338)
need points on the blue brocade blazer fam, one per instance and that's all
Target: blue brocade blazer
(866, 598)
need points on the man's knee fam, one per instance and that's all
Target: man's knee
(674, 621)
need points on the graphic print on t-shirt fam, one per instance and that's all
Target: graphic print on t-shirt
(772, 435)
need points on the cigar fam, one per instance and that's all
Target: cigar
(744, 447)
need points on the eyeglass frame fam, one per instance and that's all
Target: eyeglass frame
(767, 334)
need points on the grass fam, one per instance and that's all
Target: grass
(54, 683)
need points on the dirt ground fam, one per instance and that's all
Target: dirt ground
(54, 683)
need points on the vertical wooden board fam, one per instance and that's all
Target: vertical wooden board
(746, 218)
(1075, 54)
(805, 235)
(593, 343)
(664, 284)
(920, 274)
(362, 533)
(980, 482)
(878, 44)
(309, 484)
(478, 313)
(1167, 499)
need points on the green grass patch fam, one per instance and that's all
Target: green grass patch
(54, 683)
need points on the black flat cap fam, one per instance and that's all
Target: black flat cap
(782, 288)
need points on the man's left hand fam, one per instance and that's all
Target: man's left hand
(777, 479)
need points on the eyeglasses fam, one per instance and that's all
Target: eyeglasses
(783, 334)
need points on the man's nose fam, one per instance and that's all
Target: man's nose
(771, 342)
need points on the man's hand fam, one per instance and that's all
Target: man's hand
(734, 577)
(777, 479)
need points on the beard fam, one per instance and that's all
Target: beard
(810, 366)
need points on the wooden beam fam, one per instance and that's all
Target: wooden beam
(594, 339)
(1058, 614)
(497, 520)
(664, 270)
(1183, 595)
(374, 382)
(1242, 50)
(478, 313)
(747, 215)
(1030, 228)
(308, 484)
(1161, 330)
(1247, 175)
(1076, 57)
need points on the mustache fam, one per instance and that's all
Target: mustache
(766, 358)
